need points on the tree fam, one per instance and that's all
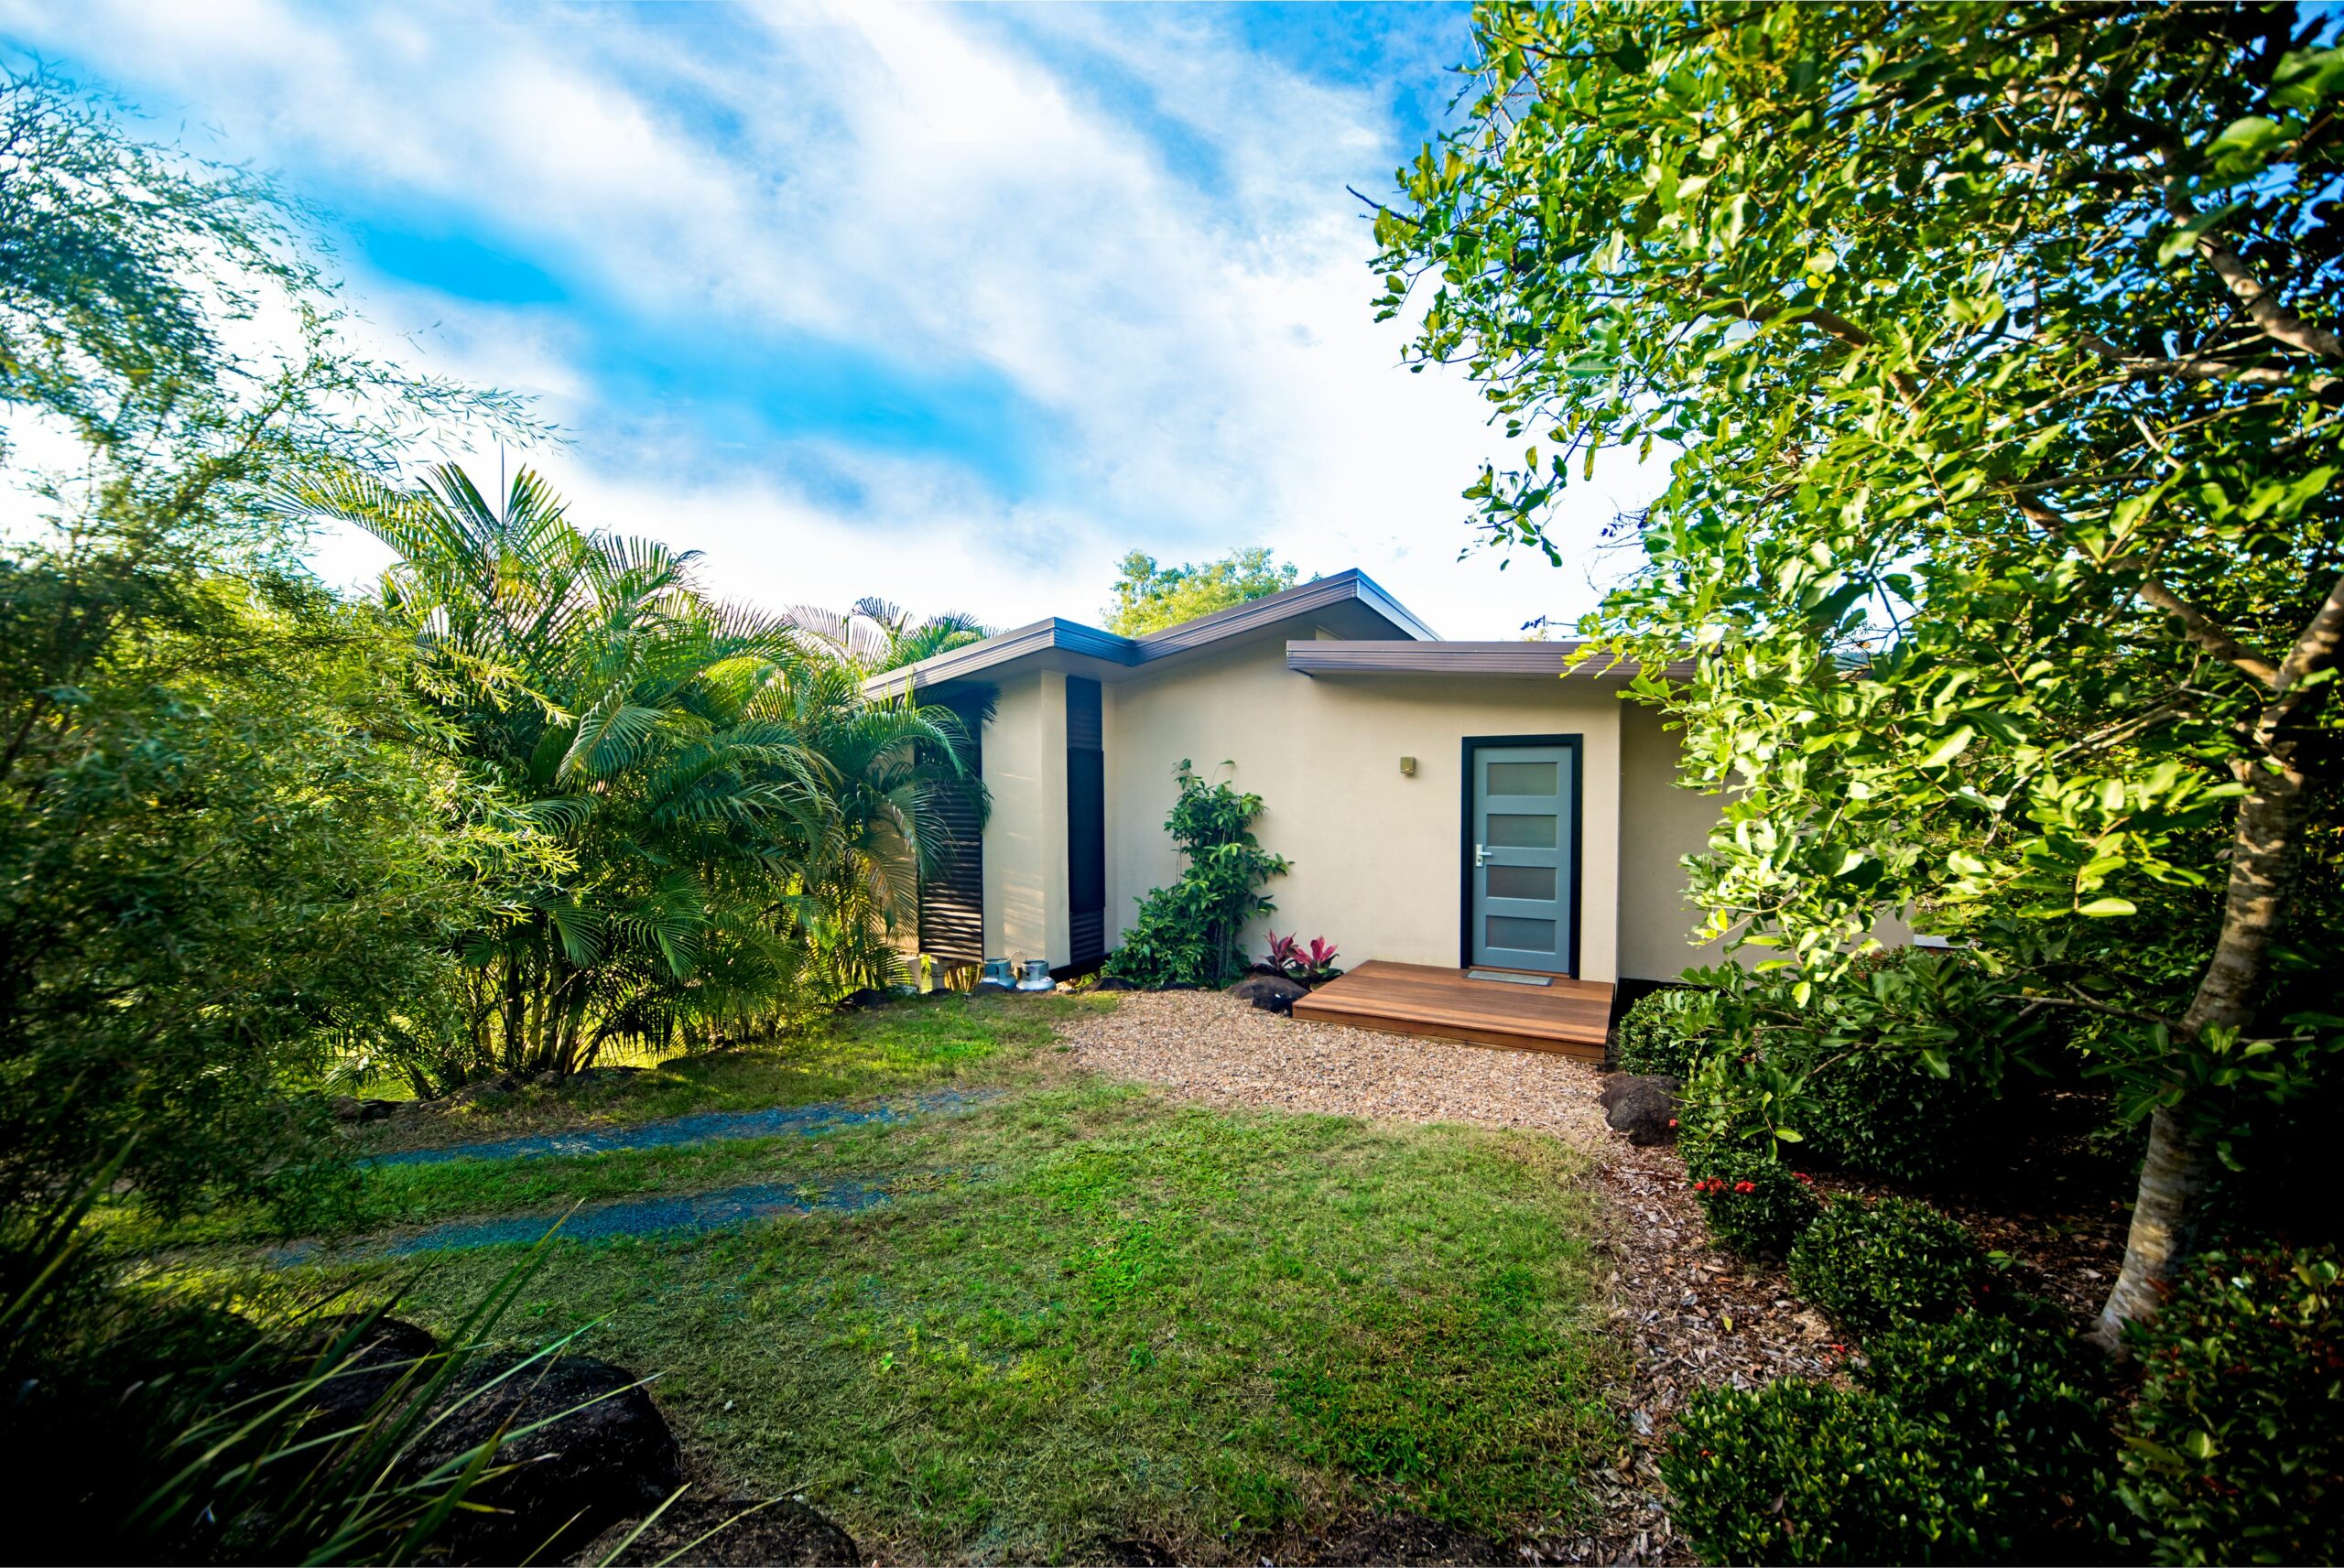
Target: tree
(877, 636)
(223, 823)
(1996, 346)
(731, 816)
(1149, 597)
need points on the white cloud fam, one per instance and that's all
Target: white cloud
(942, 186)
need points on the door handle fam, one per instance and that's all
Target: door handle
(1481, 854)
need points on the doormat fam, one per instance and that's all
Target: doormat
(1510, 979)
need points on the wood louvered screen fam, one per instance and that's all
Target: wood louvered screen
(952, 902)
(1086, 822)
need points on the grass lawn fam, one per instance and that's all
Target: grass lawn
(1085, 1312)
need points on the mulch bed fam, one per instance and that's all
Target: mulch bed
(1687, 1314)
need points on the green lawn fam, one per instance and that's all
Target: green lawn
(1086, 1313)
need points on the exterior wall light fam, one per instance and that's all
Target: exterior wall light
(1407, 767)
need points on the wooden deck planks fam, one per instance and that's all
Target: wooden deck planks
(1570, 1016)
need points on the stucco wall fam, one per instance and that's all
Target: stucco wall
(1024, 752)
(1659, 825)
(1375, 854)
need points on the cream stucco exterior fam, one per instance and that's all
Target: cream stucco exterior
(1375, 853)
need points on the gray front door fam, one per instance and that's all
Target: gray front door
(1521, 871)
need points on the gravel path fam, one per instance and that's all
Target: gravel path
(1206, 1046)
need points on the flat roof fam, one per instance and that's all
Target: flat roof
(1354, 601)
(1544, 661)
(1380, 636)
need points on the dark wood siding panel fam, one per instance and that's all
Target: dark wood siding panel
(952, 903)
(1086, 728)
(1086, 822)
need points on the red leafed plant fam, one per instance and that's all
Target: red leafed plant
(1312, 966)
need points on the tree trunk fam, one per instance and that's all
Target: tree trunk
(2165, 1222)
(2165, 1211)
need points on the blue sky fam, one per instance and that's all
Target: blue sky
(952, 305)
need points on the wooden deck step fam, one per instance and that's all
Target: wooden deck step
(1570, 1016)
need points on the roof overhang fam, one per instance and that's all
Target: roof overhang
(1349, 605)
(1520, 660)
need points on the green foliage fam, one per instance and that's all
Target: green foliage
(1873, 1264)
(1665, 1033)
(1876, 1114)
(1149, 597)
(1755, 1205)
(1187, 934)
(732, 821)
(876, 636)
(2233, 1452)
(1803, 1472)
(1974, 1439)
(1992, 350)
(1882, 1069)
(232, 855)
(2015, 1405)
(152, 1427)
(230, 871)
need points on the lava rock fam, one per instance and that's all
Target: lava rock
(1642, 1106)
(591, 1465)
(1271, 993)
(385, 1350)
(1410, 1540)
(780, 1532)
(501, 1084)
(1113, 983)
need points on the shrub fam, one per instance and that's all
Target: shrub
(2234, 1451)
(1312, 966)
(1187, 934)
(2013, 1405)
(1879, 1070)
(1803, 1472)
(1756, 1206)
(1879, 1111)
(1870, 1265)
(1664, 1032)
(1739, 1100)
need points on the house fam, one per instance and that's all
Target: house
(1447, 807)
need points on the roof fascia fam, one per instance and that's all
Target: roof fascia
(1072, 637)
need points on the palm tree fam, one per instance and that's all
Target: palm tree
(692, 785)
(875, 636)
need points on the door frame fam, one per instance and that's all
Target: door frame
(1575, 745)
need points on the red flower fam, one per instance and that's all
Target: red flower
(1745, 1186)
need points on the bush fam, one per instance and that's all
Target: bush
(2234, 1451)
(1756, 1206)
(1803, 1472)
(1187, 934)
(1879, 1111)
(1664, 1032)
(1879, 1070)
(2013, 1405)
(1871, 1265)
